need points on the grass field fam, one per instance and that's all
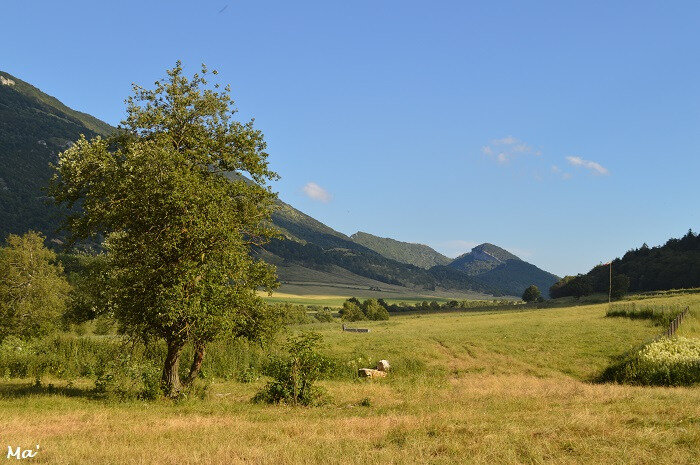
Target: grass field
(482, 387)
(337, 300)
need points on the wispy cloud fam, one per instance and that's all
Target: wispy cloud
(560, 173)
(507, 148)
(316, 192)
(595, 168)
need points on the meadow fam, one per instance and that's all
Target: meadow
(515, 386)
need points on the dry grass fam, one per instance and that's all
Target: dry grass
(470, 388)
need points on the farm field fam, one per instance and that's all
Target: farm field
(335, 301)
(483, 387)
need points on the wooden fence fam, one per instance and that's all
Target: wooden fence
(673, 327)
(355, 330)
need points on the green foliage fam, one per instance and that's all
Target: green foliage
(324, 315)
(128, 378)
(373, 310)
(351, 312)
(89, 296)
(666, 362)
(293, 376)
(33, 288)
(575, 286)
(293, 314)
(472, 305)
(370, 309)
(532, 294)
(178, 229)
(674, 265)
(619, 286)
(660, 315)
(60, 355)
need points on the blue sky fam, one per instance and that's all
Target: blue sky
(565, 132)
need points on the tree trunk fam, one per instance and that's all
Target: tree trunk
(196, 363)
(171, 377)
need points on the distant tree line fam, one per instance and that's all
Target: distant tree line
(674, 265)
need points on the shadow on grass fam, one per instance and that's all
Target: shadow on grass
(18, 390)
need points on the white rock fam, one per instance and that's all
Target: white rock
(383, 365)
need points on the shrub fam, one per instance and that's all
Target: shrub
(373, 310)
(324, 315)
(293, 314)
(351, 312)
(666, 362)
(129, 378)
(660, 315)
(293, 376)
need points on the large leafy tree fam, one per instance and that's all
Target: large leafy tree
(532, 294)
(179, 218)
(33, 288)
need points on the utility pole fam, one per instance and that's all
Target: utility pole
(610, 287)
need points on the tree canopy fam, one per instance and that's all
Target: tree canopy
(532, 294)
(33, 288)
(179, 218)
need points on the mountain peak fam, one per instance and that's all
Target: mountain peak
(496, 252)
(482, 258)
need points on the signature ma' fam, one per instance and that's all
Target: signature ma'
(19, 454)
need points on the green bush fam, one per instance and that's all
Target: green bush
(324, 315)
(129, 378)
(660, 315)
(373, 310)
(352, 312)
(293, 376)
(666, 362)
(293, 314)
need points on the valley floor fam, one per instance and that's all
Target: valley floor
(508, 387)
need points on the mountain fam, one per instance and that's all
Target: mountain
(311, 252)
(419, 255)
(311, 258)
(674, 265)
(496, 268)
(34, 128)
(482, 258)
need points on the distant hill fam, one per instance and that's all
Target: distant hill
(312, 246)
(34, 128)
(482, 258)
(405, 252)
(496, 268)
(674, 265)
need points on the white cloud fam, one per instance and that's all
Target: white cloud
(507, 148)
(508, 140)
(316, 192)
(594, 167)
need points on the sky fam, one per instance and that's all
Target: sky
(565, 132)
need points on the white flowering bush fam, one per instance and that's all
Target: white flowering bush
(666, 362)
(671, 351)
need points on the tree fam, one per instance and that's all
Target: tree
(179, 219)
(351, 311)
(620, 285)
(33, 288)
(532, 294)
(581, 285)
(373, 310)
